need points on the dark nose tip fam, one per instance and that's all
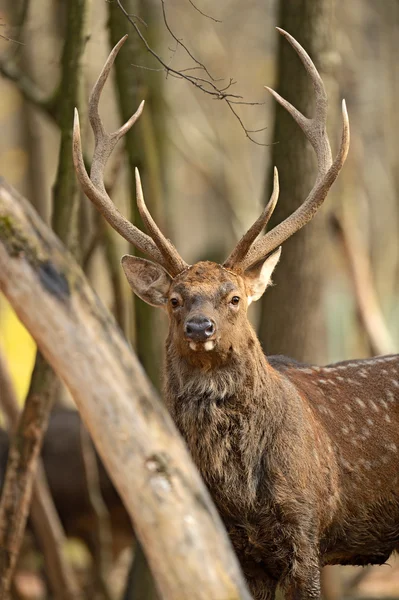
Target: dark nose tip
(199, 329)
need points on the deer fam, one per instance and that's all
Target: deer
(301, 460)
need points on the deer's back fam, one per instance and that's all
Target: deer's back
(357, 404)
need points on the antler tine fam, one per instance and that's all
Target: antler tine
(327, 171)
(104, 204)
(243, 246)
(157, 248)
(175, 263)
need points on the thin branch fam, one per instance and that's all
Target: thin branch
(103, 543)
(361, 276)
(19, 481)
(8, 38)
(180, 43)
(203, 14)
(208, 86)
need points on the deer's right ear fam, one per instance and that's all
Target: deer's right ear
(149, 281)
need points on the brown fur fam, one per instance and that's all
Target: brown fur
(302, 461)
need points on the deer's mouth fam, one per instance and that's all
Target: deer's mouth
(206, 346)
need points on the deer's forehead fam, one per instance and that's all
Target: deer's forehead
(206, 279)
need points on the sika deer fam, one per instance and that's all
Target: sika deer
(302, 461)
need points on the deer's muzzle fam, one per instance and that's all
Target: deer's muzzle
(199, 329)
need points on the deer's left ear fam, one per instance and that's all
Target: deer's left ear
(257, 278)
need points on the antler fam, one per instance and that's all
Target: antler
(157, 246)
(248, 252)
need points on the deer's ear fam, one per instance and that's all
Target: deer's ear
(148, 280)
(257, 278)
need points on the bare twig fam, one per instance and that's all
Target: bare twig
(103, 543)
(367, 302)
(8, 38)
(204, 14)
(208, 86)
(51, 536)
(179, 42)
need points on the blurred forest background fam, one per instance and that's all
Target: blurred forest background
(205, 160)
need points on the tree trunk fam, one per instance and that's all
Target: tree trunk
(182, 534)
(292, 321)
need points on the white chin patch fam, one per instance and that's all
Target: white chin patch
(207, 346)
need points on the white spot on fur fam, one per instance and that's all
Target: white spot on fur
(370, 421)
(209, 345)
(193, 346)
(390, 396)
(395, 383)
(392, 447)
(360, 402)
(388, 418)
(374, 406)
(346, 465)
(345, 430)
(348, 407)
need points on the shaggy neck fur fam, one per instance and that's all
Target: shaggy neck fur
(227, 417)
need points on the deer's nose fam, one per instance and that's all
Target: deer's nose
(199, 329)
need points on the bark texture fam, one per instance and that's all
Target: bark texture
(181, 532)
(292, 321)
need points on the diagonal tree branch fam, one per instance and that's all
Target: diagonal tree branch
(361, 276)
(181, 532)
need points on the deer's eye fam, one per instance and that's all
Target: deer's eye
(235, 301)
(174, 302)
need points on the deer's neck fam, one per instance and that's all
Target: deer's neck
(228, 416)
(243, 374)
